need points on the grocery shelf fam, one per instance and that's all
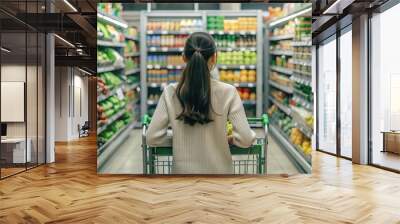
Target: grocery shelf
(301, 62)
(300, 123)
(303, 161)
(249, 102)
(220, 32)
(281, 37)
(153, 49)
(109, 68)
(303, 79)
(134, 38)
(284, 19)
(132, 71)
(105, 43)
(243, 84)
(222, 66)
(278, 52)
(112, 144)
(301, 43)
(168, 32)
(282, 70)
(111, 19)
(165, 66)
(132, 54)
(304, 103)
(302, 73)
(101, 97)
(165, 49)
(281, 106)
(110, 120)
(237, 48)
(287, 89)
(157, 84)
(133, 86)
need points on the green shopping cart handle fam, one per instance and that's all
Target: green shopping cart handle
(263, 119)
(146, 119)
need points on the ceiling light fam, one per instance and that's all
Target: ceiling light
(65, 41)
(84, 71)
(278, 21)
(70, 5)
(111, 20)
(5, 50)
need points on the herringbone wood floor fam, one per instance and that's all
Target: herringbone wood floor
(70, 191)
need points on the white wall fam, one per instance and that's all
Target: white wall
(71, 93)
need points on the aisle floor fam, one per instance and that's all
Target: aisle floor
(128, 158)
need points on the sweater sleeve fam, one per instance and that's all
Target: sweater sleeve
(157, 133)
(243, 136)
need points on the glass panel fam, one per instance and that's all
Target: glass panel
(13, 86)
(327, 96)
(385, 84)
(32, 97)
(41, 100)
(346, 94)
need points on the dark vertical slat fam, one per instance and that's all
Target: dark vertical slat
(338, 94)
(0, 94)
(316, 98)
(26, 86)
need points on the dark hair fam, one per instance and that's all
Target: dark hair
(194, 88)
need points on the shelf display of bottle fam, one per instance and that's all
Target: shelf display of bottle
(165, 41)
(237, 44)
(132, 73)
(237, 55)
(291, 96)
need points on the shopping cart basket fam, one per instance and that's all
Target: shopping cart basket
(252, 160)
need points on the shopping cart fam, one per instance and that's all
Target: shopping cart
(252, 160)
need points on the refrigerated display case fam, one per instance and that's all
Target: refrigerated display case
(116, 91)
(238, 35)
(289, 83)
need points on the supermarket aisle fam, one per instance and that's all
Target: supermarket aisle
(128, 158)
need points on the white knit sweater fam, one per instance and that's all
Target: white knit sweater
(201, 149)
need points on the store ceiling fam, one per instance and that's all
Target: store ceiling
(331, 15)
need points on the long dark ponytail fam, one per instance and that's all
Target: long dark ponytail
(194, 88)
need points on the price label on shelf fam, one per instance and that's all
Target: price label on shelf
(242, 67)
(180, 49)
(224, 67)
(229, 49)
(170, 67)
(150, 32)
(242, 49)
(149, 66)
(157, 66)
(236, 84)
(231, 32)
(252, 67)
(164, 32)
(251, 84)
(178, 67)
(242, 33)
(220, 32)
(120, 94)
(211, 32)
(152, 49)
(164, 49)
(253, 32)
